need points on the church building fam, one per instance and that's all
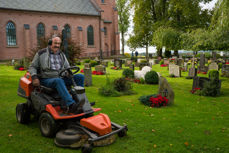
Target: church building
(91, 23)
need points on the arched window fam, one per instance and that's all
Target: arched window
(40, 32)
(90, 35)
(68, 30)
(105, 31)
(11, 34)
(103, 1)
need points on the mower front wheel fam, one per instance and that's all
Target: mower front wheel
(87, 148)
(22, 113)
(47, 125)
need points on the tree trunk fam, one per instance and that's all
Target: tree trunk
(147, 53)
(176, 53)
(123, 43)
(159, 52)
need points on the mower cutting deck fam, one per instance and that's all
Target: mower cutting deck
(84, 130)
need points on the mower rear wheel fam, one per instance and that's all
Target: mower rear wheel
(22, 113)
(122, 133)
(47, 125)
(87, 148)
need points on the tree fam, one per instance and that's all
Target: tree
(219, 27)
(123, 22)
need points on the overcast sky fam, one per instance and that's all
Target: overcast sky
(209, 5)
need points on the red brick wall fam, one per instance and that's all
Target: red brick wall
(27, 39)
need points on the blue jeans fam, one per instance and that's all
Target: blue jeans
(60, 85)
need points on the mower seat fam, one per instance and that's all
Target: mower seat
(50, 91)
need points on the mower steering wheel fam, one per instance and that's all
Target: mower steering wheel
(69, 72)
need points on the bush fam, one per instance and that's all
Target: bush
(143, 61)
(127, 55)
(128, 73)
(87, 61)
(161, 62)
(122, 85)
(151, 77)
(108, 89)
(213, 74)
(220, 65)
(134, 59)
(93, 63)
(211, 88)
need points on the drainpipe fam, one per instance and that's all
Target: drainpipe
(100, 37)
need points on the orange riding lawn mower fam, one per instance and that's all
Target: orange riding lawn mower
(84, 130)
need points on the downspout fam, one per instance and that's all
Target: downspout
(100, 40)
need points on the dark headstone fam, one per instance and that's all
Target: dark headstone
(198, 82)
(87, 77)
(214, 56)
(132, 67)
(118, 63)
(192, 72)
(202, 60)
(165, 90)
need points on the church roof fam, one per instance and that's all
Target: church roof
(82, 7)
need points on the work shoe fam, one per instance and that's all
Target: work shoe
(76, 108)
(72, 108)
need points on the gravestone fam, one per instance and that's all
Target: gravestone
(132, 67)
(100, 68)
(118, 63)
(166, 61)
(174, 70)
(185, 67)
(192, 72)
(87, 77)
(128, 63)
(105, 63)
(180, 62)
(202, 67)
(198, 82)
(225, 70)
(152, 62)
(165, 90)
(214, 56)
(213, 66)
(87, 65)
(141, 65)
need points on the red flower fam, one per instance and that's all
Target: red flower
(227, 62)
(21, 69)
(82, 71)
(164, 65)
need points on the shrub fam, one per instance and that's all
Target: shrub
(151, 77)
(213, 74)
(122, 85)
(127, 55)
(93, 63)
(211, 88)
(220, 65)
(128, 73)
(161, 62)
(143, 61)
(87, 61)
(134, 59)
(108, 89)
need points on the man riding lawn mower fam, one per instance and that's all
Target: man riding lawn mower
(70, 129)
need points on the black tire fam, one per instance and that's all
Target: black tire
(87, 148)
(47, 125)
(22, 113)
(122, 133)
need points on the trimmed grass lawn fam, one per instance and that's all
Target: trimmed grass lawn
(193, 124)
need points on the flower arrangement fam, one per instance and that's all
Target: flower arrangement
(115, 68)
(163, 65)
(97, 73)
(21, 68)
(154, 100)
(201, 72)
(194, 90)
